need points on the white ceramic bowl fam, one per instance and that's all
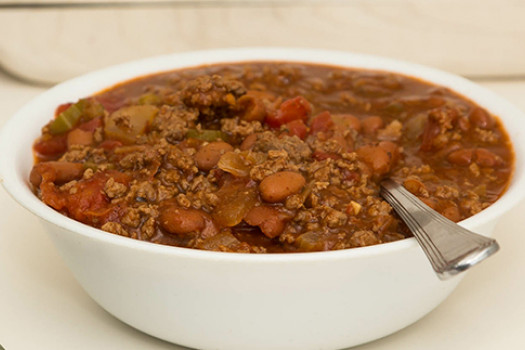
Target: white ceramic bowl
(213, 300)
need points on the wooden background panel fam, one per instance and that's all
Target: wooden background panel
(483, 38)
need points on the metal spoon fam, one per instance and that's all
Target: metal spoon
(450, 248)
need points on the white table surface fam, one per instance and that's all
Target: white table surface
(43, 307)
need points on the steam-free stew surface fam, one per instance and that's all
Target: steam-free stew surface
(267, 157)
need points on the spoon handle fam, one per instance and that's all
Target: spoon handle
(450, 248)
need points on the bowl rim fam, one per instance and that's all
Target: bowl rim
(98, 80)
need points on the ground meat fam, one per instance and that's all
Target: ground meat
(116, 228)
(293, 164)
(183, 201)
(170, 177)
(276, 161)
(142, 191)
(165, 192)
(333, 218)
(240, 128)
(212, 95)
(172, 122)
(148, 228)
(182, 159)
(392, 132)
(437, 130)
(140, 158)
(471, 206)
(488, 136)
(88, 173)
(474, 169)
(70, 187)
(295, 147)
(294, 201)
(327, 145)
(98, 135)
(446, 192)
(81, 153)
(114, 189)
(131, 217)
(377, 207)
(363, 239)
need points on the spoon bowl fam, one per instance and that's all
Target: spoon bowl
(450, 248)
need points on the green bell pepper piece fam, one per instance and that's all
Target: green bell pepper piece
(68, 119)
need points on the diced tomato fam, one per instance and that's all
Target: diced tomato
(297, 128)
(297, 108)
(322, 122)
(89, 204)
(270, 220)
(88, 198)
(48, 149)
(108, 145)
(376, 158)
(51, 196)
(61, 108)
(91, 125)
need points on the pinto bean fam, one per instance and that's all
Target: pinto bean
(79, 137)
(376, 157)
(486, 158)
(278, 186)
(481, 118)
(55, 171)
(35, 177)
(370, 125)
(462, 157)
(481, 156)
(270, 220)
(208, 156)
(415, 187)
(181, 221)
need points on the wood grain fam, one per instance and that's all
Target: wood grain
(474, 38)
